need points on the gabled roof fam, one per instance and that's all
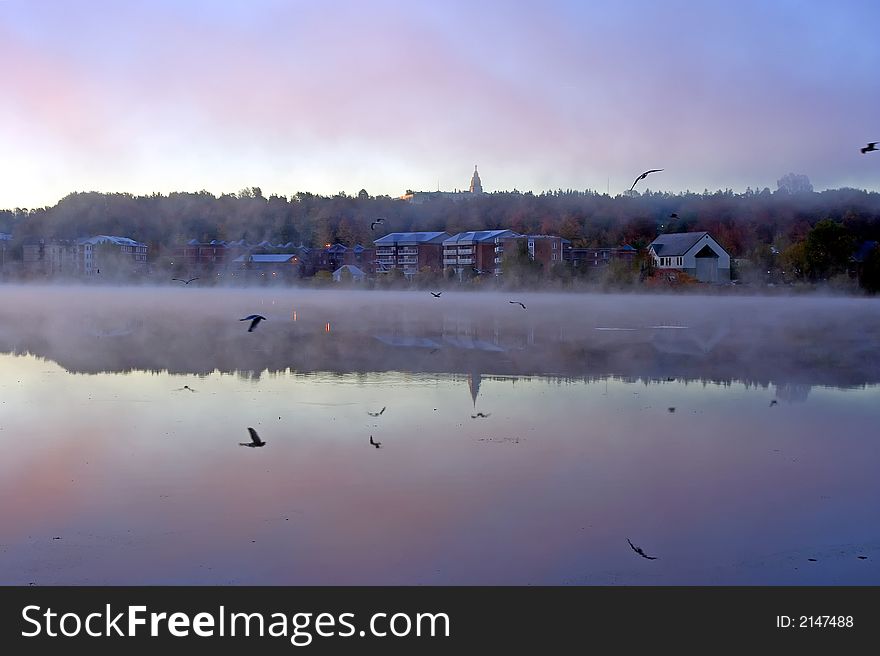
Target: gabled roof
(479, 235)
(357, 272)
(107, 239)
(677, 243)
(411, 238)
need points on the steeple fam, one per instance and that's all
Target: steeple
(476, 185)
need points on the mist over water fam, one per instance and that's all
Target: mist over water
(732, 437)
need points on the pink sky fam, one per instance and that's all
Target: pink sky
(386, 96)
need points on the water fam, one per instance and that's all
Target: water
(144, 481)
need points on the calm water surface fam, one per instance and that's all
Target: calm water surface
(770, 457)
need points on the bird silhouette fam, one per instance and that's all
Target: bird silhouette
(436, 295)
(185, 387)
(773, 402)
(518, 303)
(671, 409)
(480, 414)
(255, 439)
(185, 282)
(376, 414)
(375, 223)
(872, 145)
(375, 444)
(254, 319)
(673, 216)
(644, 175)
(639, 551)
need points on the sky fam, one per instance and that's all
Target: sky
(145, 96)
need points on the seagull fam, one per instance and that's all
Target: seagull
(185, 387)
(671, 409)
(480, 414)
(375, 444)
(255, 439)
(376, 414)
(518, 303)
(872, 145)
(375, 223)
(437, 295)
(254, 319)
(673, 216)
(773, 402)
(644, 175)
(185, 282)
(639, 551)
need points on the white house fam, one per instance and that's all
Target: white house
(357, 274)
(695, 253)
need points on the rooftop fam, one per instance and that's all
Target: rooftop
(479, 235)
(412, 238)
(677, 243)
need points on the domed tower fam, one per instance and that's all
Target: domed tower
(476, 185)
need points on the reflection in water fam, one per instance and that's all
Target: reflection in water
(574, 451)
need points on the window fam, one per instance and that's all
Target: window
(555, 245)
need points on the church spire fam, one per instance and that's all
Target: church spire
(476, 185)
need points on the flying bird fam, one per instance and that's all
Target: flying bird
(644, 175)
(375, 223)
(871, 146)
(375, 444)
(773, 402)
(639, 551)
(673, 216)
(671, 409)
(255, 439)
(437, 295)
(376, 414)
(480, 414)
(518, 303)
(185, 282)
(254, 319)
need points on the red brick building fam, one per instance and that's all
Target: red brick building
(410, 252)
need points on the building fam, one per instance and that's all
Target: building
(199, 256)
(5, 238)
(267, 265)
(474, 190)
(479, 250)
(357, 274)
(84, 257)
(410, 251)
(333, 257)
(546, 249)
(695, 253)
(52, 258)
(116, 254)
(598, 257)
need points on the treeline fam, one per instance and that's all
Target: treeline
(751, 225)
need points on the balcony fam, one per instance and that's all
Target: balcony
(499, 249)
(497, 260)
(449, 260)
(386, 261)
(408, 261)
(465, 251)
(408, 251)
(465, 260)
(385, 251)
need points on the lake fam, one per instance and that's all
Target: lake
(732, 439)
